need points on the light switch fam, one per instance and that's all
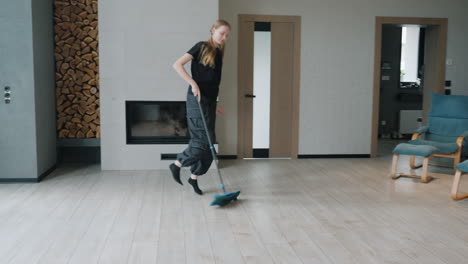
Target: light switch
(7, 90)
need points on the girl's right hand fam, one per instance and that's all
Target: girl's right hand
(196, 91)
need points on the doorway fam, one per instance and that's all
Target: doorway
(261, 90)
(284, 78)
(401, 89)
(431, 73)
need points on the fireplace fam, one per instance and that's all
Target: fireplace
(156, 122)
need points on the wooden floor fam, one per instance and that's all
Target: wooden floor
(291, 211)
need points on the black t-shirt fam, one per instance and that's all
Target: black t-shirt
(207, 78)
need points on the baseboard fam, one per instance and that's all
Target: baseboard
(170, 156)
(46, 173)
(334, 156)
(19, 180)
(227, 157)
(30, 180)
(167, 156)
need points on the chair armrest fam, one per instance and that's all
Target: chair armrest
(419, 131)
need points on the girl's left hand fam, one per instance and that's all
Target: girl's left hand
(219, 110)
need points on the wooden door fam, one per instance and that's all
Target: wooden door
(285, 76)
(281, 103)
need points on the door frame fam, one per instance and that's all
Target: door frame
(245, 80)
(438, 69)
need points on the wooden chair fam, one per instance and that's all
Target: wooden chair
(446, 130)
(424, 151)
(460, 169)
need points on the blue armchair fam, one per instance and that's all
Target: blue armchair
(447, 128)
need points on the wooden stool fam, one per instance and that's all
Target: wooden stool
(424, 151)
(459, 170)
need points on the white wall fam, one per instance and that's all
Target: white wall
(139, 42)
(27, 124)
(44, 84)
(17, 137)
(261, 88)
(337, 52)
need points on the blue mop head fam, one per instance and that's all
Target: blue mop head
(223, 199)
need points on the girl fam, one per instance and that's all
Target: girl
(207, 62)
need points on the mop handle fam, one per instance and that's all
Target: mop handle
(215, 158)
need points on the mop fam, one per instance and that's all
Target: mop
(225, 198)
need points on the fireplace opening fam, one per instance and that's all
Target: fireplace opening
(156, 122)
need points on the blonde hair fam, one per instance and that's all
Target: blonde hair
(208, 49)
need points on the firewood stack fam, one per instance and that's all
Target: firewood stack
(77, 68)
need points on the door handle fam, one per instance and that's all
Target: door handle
(249, 96)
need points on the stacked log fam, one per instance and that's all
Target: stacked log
(77, 68)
